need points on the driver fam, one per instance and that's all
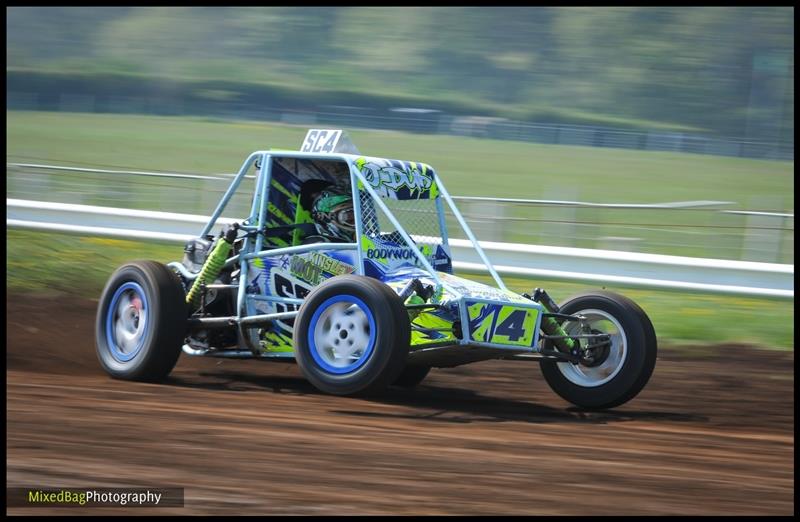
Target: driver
(331, 208)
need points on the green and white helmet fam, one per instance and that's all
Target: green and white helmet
(332, 211)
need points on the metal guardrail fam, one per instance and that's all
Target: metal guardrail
(223, 176)
(129, 172)
(715, 231)
(544, 262)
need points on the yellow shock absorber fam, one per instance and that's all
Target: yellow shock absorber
(415, 293)
(414, 299)
(214, 263)
(549, 325)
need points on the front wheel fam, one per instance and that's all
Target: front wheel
(619, 365)
(352, 335)
(141, 322)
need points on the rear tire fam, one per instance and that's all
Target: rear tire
(141, 322)
(621, 371)
(411, 376)
(352, 336)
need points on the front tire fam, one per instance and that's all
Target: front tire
(141, 322)
(352, 336)
(620, 370)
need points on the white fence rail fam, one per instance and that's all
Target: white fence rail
(510, 259)
(223, 176)
(713, 231)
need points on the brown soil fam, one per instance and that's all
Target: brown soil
(712, 433)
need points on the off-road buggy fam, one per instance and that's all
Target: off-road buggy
(344, 265)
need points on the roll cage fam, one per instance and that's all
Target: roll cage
(376, 185)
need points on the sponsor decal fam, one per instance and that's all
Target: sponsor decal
(398, 180)
(315, 267)
(390, 253)
(393, 256)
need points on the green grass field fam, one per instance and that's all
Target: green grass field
(42, 262)
(469, 167)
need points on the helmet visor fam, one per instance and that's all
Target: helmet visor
(345, 217)
(328, 202)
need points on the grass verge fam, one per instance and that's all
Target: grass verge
(44, 262)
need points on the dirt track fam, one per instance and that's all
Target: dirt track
(712, 433)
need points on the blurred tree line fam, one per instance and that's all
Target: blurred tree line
(726, 70)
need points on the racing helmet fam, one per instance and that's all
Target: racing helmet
(332, 211)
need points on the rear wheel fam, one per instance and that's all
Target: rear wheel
(617, 368)
(352, 335)
(141, 322)
(411, 376)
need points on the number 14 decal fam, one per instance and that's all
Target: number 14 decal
(499, 324)
(513, 326)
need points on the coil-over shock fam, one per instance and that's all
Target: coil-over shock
(214, 263)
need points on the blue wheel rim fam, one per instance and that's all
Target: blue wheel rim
(127, 324)
(322, 333)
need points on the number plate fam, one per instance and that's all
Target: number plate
(321, 140)
(502, 324)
